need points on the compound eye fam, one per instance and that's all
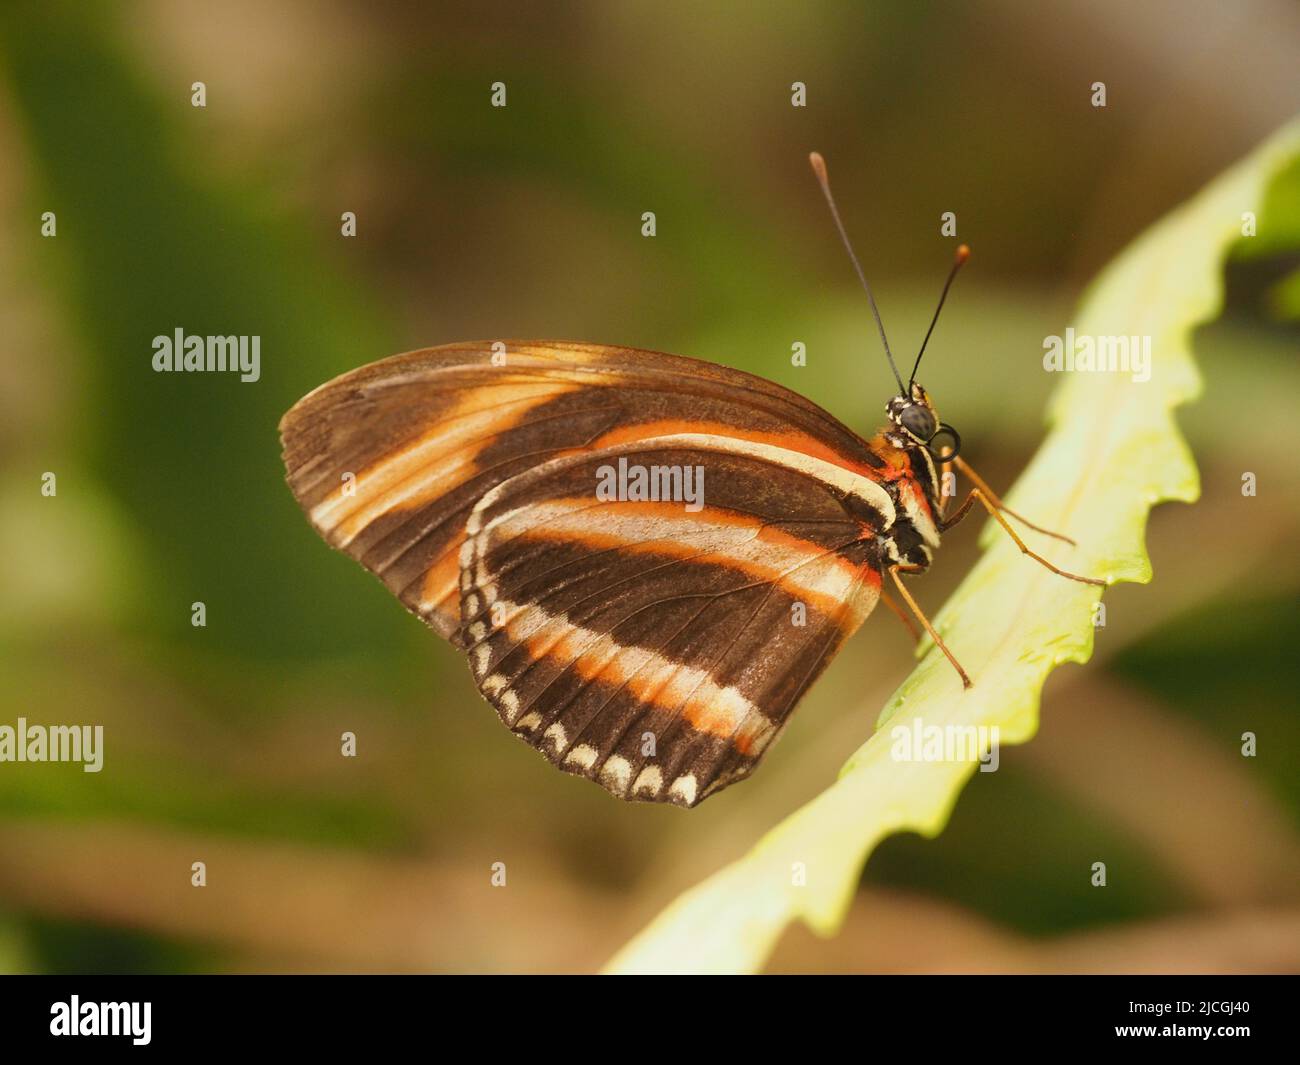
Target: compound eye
(945, 444)
(919, 422)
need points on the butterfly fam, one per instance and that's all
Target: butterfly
(647, 559)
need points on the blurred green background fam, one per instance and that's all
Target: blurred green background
(222, 742)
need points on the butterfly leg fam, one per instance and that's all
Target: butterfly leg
(894, 572)
(993, 497)
(977, 495)
(898, 613)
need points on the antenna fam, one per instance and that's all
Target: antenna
(819, 168)
(963, 253)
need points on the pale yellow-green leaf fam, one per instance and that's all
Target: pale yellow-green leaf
(1112, 453)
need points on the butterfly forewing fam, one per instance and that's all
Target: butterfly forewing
(388, 466)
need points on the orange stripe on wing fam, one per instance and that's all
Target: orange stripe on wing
(436, 462)
(440, 588)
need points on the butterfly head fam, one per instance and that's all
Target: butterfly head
(915, 415)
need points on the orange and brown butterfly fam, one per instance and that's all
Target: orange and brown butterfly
(647, 559)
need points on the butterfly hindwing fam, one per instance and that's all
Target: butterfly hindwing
(658, 646)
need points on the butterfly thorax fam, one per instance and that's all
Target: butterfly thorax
(908, 475)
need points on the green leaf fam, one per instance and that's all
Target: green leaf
(1113, 452)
